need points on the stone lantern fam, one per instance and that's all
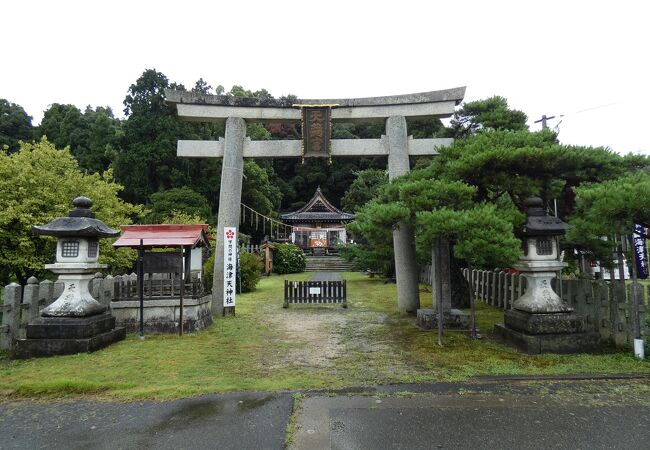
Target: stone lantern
(539, 262)
(75, 322)
(540, 321)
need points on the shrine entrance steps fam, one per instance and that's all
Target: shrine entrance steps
(328, 264)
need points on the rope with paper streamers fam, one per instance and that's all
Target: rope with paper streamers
(258, 220)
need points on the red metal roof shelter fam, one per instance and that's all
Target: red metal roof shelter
(162, 236)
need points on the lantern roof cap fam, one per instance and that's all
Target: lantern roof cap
(538, 221)
(79, 222)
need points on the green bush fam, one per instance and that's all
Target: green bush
(251, 270)
(250, 266)
(208, 270)
(288, 258)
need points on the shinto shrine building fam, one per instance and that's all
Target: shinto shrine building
(319, 226)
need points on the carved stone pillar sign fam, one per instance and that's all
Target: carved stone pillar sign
(540, 321)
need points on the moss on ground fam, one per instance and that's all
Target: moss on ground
(268, 348)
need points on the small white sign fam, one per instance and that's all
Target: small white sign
(314, 291)
(229, 265)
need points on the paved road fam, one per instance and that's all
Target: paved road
(232, 421)
(446, 422)
(502, 415)
(488, 415)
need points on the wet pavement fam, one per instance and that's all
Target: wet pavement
(492, 414)
(449, 422)
(230, 421)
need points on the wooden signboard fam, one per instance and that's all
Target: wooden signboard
(316, 131)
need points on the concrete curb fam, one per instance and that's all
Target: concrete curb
(474, 381)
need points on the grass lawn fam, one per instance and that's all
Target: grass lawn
(270, 348)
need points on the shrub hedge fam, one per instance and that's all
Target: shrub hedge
(288, 258)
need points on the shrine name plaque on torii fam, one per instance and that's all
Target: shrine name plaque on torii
(316, 116)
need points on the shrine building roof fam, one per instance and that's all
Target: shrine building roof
(318, 209)
(162, 235)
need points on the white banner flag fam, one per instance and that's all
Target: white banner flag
(229, 265)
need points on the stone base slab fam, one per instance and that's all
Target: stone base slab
(549, 343)
(70, 327)
(30, 348)
(551, 323)
(427, 319)
(163, 316)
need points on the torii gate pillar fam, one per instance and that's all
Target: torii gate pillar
(406, 269)
(232, 171)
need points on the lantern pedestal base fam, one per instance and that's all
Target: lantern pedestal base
(48, 336)
(547, 333)
(427, 319)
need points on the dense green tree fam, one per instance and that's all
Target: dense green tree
(504, 167)
(93, 137)
(299, 180)
(257, 190)
(517, 164)
(481, 237)
(364, 188)
(64, 126)
(15, 125)
(184, 200)
(37, 184)
(146, 161)
(490, 114)
(103, 141)
(425, 128)
(201, 87)
(612, 208)
(372, 234)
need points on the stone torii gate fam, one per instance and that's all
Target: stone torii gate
(396, 144)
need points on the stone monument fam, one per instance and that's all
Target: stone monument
(427, 318)
(75, 322)
(540, 321)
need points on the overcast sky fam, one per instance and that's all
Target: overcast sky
(586, 60)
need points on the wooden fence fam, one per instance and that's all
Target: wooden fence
(250, 248)
(126, 288)
(606, 306)
(314, 292)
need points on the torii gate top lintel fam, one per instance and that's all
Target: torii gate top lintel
(209, 108)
